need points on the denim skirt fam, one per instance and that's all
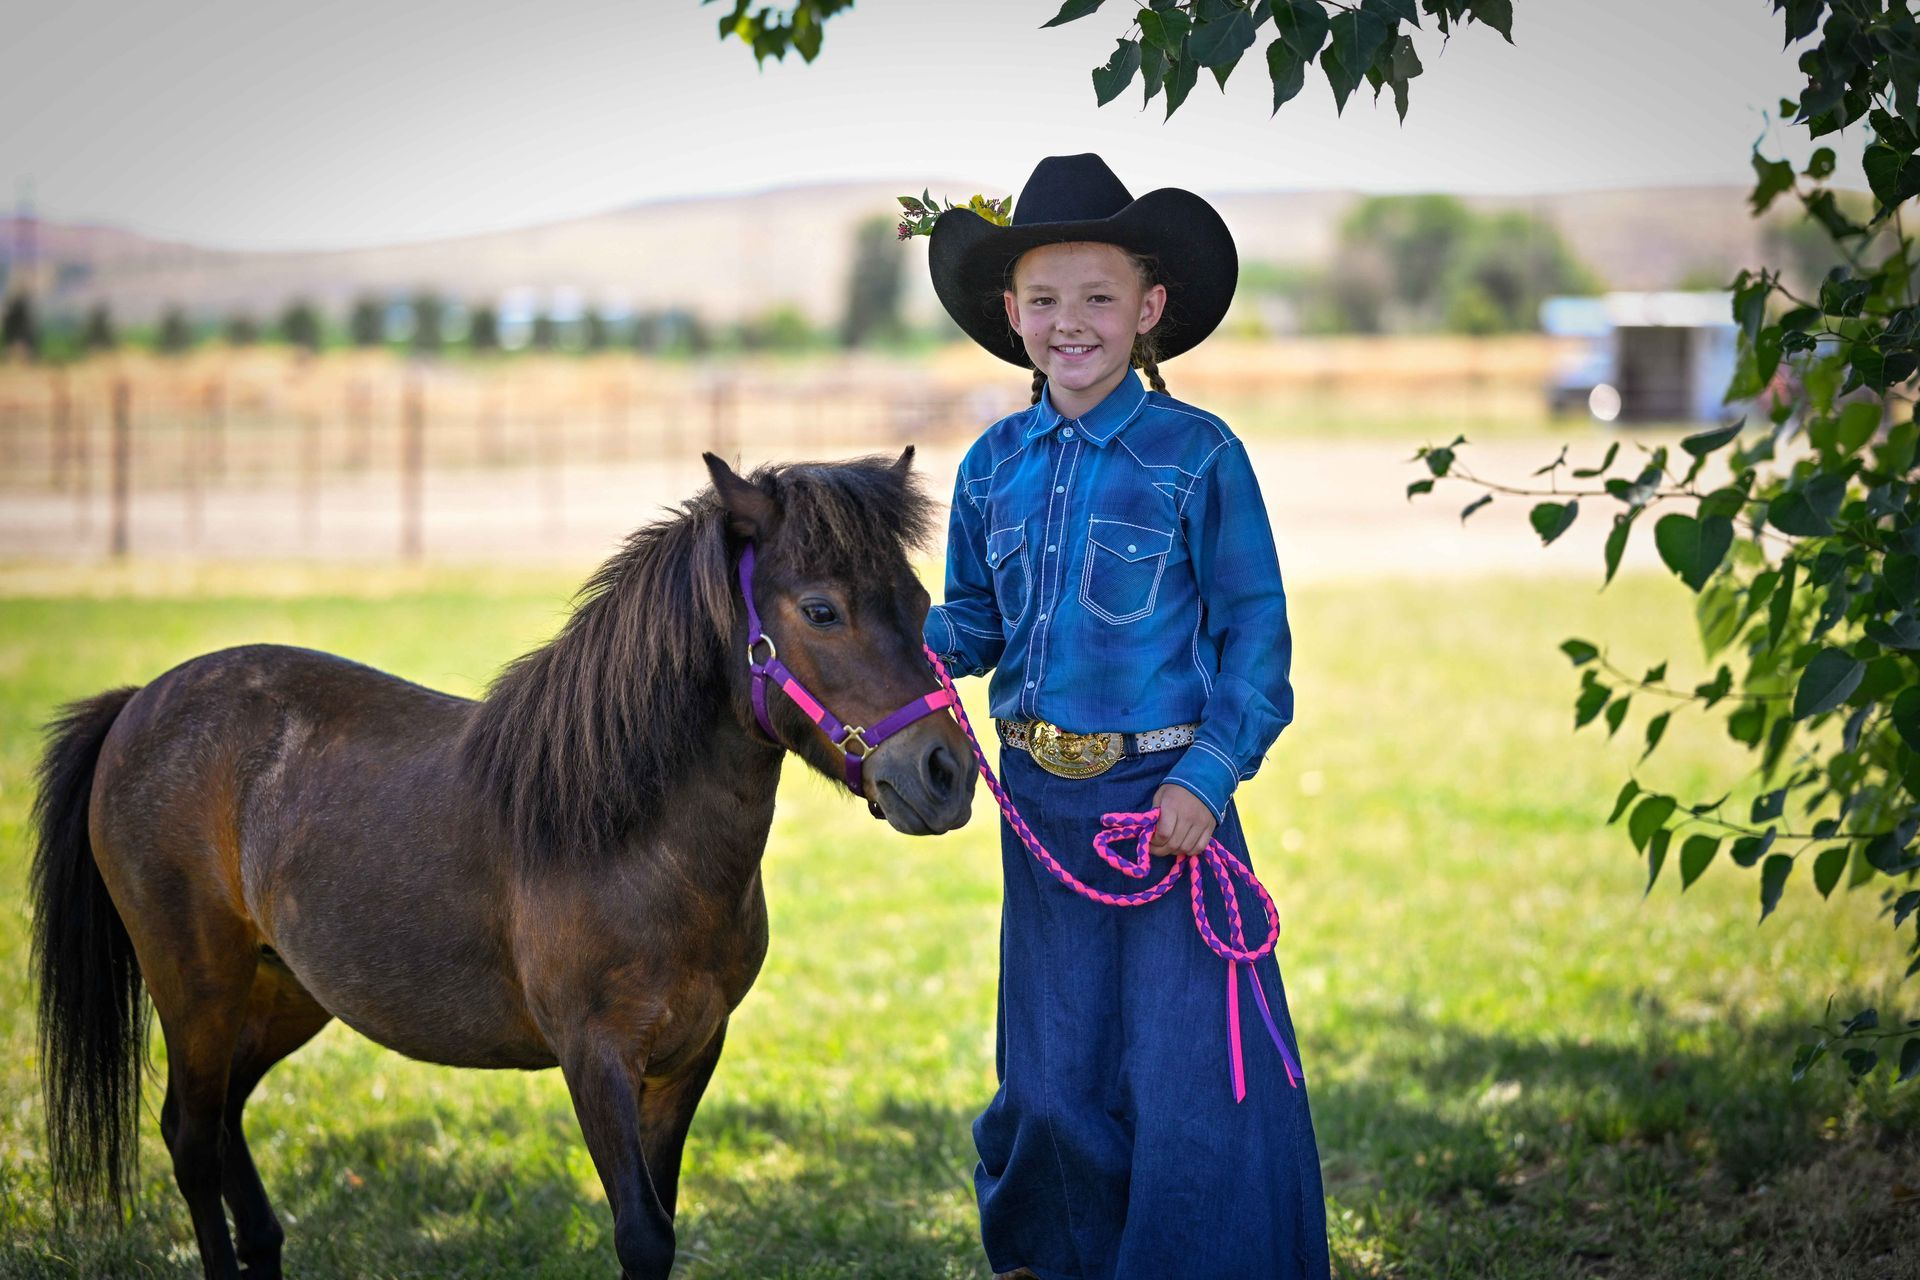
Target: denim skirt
(1113, 1148)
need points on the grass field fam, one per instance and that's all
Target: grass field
(1519, 1067)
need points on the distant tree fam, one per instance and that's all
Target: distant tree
(429, 322)
(367, 323)
(175, 334)
(1417, 236)
(1425, 263)
(783, 327)
(597, 332)
(546, 333)
(1514, 261)
(647, 333)
(97, 332)
(299, 325)
(242, 330)
(19, 329)
(483, 331)
(875, 285)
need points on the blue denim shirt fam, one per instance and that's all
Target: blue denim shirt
(1117, 571)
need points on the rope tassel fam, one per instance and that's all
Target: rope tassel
(1215, 858)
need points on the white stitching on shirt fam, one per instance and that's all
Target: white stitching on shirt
(1199, 616)
(1060, 540)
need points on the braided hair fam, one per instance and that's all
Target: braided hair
(1145, 355)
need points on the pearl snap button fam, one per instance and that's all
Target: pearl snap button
(1029, 684)
(1131, 547)
(1066, 433)
(1050, 546)
(1059, 488)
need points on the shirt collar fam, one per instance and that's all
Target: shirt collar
(1102, 422)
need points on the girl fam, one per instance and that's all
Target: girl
(1110, 561)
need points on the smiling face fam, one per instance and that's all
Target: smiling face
(1077, 307)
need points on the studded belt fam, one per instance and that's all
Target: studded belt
(1085, 755)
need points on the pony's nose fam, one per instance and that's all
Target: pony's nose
(942, 776)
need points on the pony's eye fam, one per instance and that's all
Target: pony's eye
(819, 613)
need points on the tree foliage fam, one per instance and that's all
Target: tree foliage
(876, 285)
(98, 333)
(1166, 44)
(19, 329)
(174, 336)
(1805, 558)
(299, 325)
(1428, 263)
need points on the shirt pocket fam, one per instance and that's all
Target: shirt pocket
(1012, 580)
(1124, 564)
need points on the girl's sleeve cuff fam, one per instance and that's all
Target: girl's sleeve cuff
(1203, 771)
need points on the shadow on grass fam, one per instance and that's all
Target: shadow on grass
(1448, 1151)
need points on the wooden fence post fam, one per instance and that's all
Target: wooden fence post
(413, 447)
(118, 539)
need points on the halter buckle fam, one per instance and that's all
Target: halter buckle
(772, 653)
(854, 734)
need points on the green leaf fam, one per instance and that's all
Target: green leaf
(1692, 548)
(1909, 1061)
(1072, 11)
(1592, 697)
(1356, 37)
(1780, 603)
(1181, 75)
(1820, 164)
(1497, 14)
(1551, 519)
(1695, 855)
(1827, 868)
(1153, 69)
(1858, 422)
(1474, 506)
(1825, 684)
(1616, 543)
(1220, 44)
(1773, 177)
(1110, 81)
(1627, 793)
(1580, 652)
(1906, 716)
(1656, 857)
(1649, 816)
(1303, 26)
(1616, 712)
(1702, 443)
(1809, 1054)
(1406, 11)
(1655, 728)
(1773, 880)
(1748, 850)
(1419, 486)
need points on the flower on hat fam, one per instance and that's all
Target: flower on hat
(923, 212)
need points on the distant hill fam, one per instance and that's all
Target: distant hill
(728, 257)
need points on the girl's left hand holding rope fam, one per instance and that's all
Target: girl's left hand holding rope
(1185, 824)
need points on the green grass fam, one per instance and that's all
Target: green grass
(1519, 1067)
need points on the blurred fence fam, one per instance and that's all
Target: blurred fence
(238, 452)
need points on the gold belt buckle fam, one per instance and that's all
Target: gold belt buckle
(1073, 755)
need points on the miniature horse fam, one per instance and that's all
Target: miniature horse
(566, 872)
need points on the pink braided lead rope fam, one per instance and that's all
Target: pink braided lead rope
(1216, 857)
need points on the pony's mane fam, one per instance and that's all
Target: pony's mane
(575, 740)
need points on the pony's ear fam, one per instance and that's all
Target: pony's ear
(750, 512)
(905, 463)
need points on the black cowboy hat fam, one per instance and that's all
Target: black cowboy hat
(1079, 198)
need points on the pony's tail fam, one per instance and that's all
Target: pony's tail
(93, 1012)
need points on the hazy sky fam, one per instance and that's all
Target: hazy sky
(263, 123)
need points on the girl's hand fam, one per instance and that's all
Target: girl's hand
(1185, 825)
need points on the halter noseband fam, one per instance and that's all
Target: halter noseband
(853, 742)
